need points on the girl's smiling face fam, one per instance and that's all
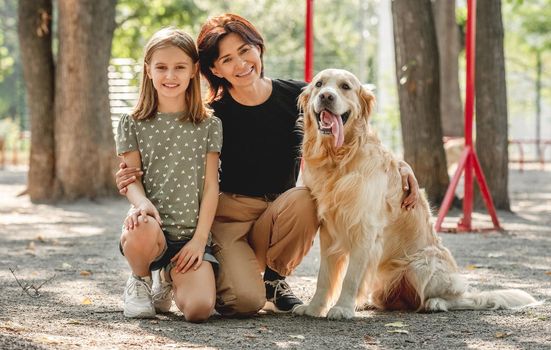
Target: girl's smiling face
(171, 70)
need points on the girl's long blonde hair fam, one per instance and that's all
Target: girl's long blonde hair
(148, 101)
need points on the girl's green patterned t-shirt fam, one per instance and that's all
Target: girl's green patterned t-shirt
(173, 155)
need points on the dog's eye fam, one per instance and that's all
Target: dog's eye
(345, 86)
(318, 84)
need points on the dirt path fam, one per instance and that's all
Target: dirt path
(80, 307)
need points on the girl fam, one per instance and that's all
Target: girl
(176, 141)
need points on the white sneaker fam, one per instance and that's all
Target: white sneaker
(162, 297)
(137, 299)
(161, 292)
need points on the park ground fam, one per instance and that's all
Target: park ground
(68, 277)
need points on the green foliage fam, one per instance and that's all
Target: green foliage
(138, 20)
(337, 32)
(11, 89)
(527, 36)
(9, 132)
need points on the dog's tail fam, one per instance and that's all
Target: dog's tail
(487, 300)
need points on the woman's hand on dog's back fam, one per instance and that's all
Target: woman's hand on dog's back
(409, 185)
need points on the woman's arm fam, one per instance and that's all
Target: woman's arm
(409, 184)
(191, 255)
(125, 176)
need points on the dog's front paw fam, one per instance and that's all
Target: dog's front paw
(309, 310)
(436, 304)
(340, 313)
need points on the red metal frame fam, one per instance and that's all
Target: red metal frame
(309, 40)
(541, 145)
(469, 161)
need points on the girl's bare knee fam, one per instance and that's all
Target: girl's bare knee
(196, 311)
(142, 239)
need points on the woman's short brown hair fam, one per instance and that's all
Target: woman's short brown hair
(212, 32)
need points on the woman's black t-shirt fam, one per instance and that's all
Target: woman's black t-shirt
(261, 144)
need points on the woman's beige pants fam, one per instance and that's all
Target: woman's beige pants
(250, 233)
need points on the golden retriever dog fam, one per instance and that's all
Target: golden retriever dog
(373, 252)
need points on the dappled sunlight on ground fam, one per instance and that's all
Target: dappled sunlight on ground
(72, 249)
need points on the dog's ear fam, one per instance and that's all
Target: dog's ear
(367, 100)
(303, 107)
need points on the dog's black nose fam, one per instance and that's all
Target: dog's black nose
(327, 96)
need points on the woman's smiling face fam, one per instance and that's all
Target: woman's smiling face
(238, 62)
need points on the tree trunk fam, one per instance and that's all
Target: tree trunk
(491, 101)
(85, 155)
(417, 75)
(35, 44)
(447, 33)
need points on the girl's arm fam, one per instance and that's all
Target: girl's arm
(209, 203)
(191, 255)
(136, 192)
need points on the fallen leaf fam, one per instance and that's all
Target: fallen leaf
(12, 326)
(85, 273)
(396, 324)
(86, 301)
(401, 331)
(503, 334)
(370, 340)
(47, 340)
(548, 273)
(471, 267)
(74, 322)
(40, 238)
(297, 336)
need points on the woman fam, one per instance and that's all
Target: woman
(263, 222)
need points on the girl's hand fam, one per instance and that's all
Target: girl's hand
(409, 184)
(125, 176)
(143, 209)
(190, 256)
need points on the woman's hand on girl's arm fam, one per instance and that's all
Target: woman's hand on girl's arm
(190, 256)
(125, 176)
(410, 185)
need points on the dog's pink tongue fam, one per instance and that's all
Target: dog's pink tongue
(336, 128)
(338, 132)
